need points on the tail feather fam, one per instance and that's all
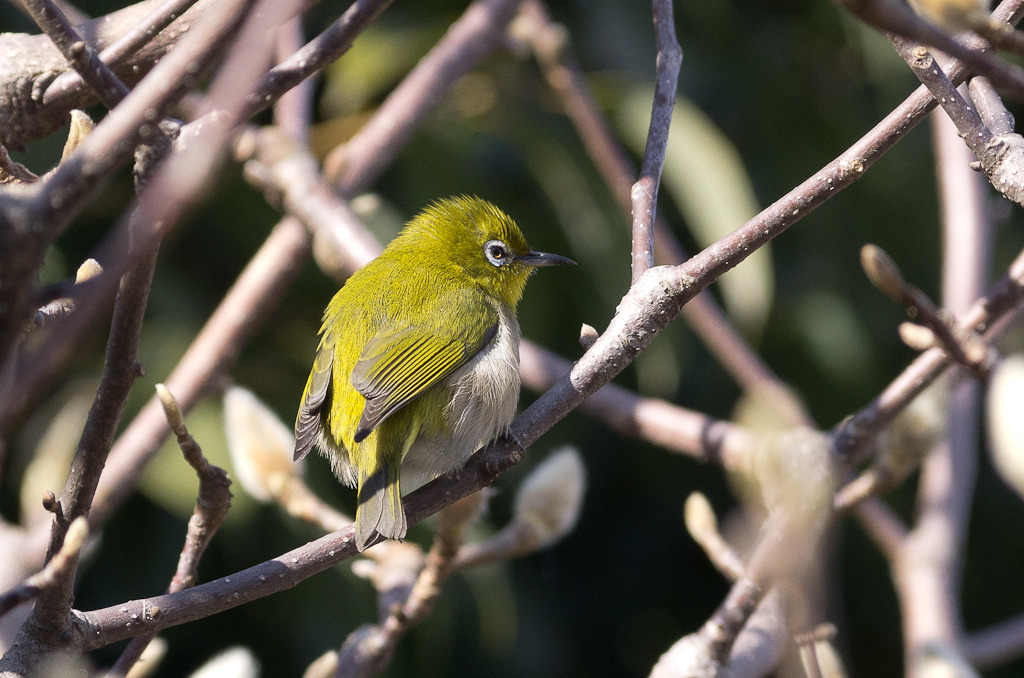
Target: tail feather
(379, 514)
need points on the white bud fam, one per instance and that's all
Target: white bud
(261, 445)
(150, 659)
(794, 472)
(324, 666)
(234, 662)
(550, 498)
(699, 516)
(1005, 413)
(89, 269)
(689, 656)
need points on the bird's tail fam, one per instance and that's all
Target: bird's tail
(379, 514)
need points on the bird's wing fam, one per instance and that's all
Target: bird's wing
(307, 422)
(398, 364)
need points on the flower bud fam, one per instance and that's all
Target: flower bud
(1005, 423)
(882, 271)
(699, 517)
(550, 498)
(234, 662)
(261, 445)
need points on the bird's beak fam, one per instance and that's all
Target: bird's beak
(545, 259)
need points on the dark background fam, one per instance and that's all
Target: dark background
(790, 85)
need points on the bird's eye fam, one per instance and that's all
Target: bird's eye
(496, 252)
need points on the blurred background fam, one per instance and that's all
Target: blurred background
(769, 91)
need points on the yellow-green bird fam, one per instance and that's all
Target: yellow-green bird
(418, 363)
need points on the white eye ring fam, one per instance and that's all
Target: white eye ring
(496, 252)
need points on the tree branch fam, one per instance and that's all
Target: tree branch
(54, 571)
(894, 17)
(211, 509)
(38, 64)
(82, 56)
(645, 191)
(553, 52)
(68, 84)
(353, 167)
(322, 50)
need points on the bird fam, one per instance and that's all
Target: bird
(418, 360)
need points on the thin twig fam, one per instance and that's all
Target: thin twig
(722, 629)
(853, 435)
(54, 571)
(119, 373)
(68, 83)
(322, 50)
(78, 52)
(962, 345)
(247, 304)
(356, 165)
(644, 194)
(211, 508)
(895, 17)
(549, 42)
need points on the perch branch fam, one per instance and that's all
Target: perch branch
(227, 329)
(549, 42)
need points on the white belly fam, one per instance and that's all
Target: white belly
(485, 394)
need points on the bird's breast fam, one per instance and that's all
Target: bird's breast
(483, 397)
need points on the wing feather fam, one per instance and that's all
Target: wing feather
(307, 422)
(396, 366)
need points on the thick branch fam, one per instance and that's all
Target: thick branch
(30, 63)
(134, 39)
(44, 209)
(82, 56)
(48, 618)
